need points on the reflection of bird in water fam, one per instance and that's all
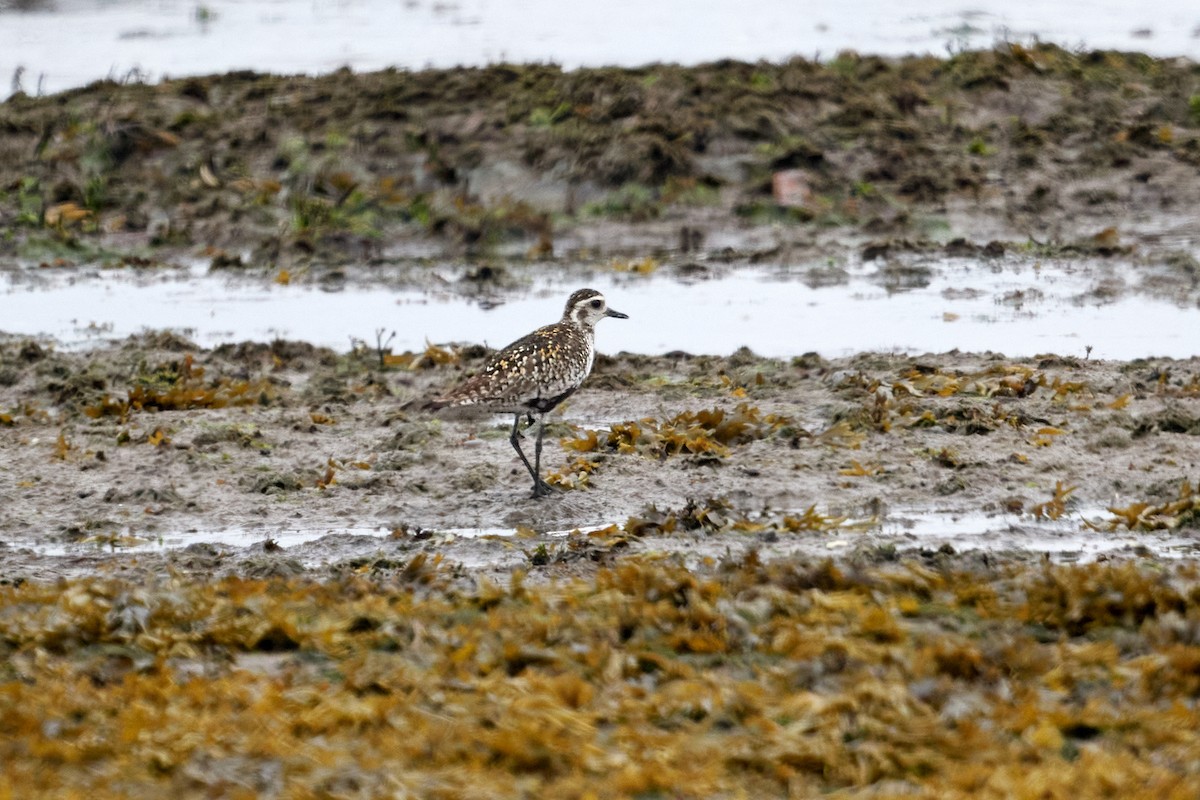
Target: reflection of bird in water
(537, 372)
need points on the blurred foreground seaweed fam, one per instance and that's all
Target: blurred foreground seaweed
(738, 679)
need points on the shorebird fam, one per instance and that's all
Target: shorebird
(537, 372)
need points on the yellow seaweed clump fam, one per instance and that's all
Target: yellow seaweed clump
(708, 432)
(1183, 511)
(180, 387)
(433, 356)
(575, 475)
(717, 515)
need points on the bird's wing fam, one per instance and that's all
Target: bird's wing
(522, 371)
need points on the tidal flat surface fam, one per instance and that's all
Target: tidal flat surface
(154, 444)
(931, 532)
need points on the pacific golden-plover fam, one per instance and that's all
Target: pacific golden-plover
(537, 372)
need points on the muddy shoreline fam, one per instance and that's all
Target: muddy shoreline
(116, 457)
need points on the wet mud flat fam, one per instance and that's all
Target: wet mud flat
(149, 445)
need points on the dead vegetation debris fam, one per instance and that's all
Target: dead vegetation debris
(708, 432)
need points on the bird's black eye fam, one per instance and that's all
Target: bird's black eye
(596, 303)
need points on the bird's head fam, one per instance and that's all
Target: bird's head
(586, 307)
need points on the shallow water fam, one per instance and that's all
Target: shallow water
(1014, 307)
(68, 43)
(1062, 540)
(132, 542)
(129, 541)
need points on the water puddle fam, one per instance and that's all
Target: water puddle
(130, 542)
(67, 43)
(133, 543)
(1063, 540)
(1013, 307)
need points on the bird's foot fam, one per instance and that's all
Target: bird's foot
(542, 489)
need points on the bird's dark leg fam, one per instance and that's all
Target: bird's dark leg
(540, 487)
(515, 440)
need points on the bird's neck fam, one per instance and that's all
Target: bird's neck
(579, 325)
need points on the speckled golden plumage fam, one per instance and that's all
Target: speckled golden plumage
(537, 372)
(548, 364)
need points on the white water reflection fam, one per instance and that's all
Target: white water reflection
(128, 541)
(1064, 540)
(1015, 308)
(68, 43)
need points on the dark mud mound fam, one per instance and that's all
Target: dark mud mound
(337, 168)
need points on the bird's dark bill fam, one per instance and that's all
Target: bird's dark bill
(617, 314)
